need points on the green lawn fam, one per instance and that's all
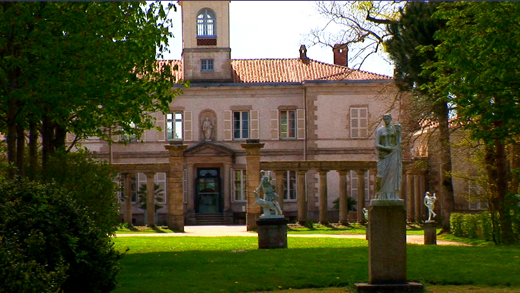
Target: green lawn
(234, 264)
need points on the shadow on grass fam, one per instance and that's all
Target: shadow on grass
(233, 264)
(243, 270)
(157, 229)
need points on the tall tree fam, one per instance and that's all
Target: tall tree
(479, 66)
(411, 48)
(358, 24)
(80, 68)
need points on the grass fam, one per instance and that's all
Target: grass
(234, 264)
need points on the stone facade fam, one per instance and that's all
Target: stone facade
(315, 123)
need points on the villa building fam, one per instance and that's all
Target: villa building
(312, 124)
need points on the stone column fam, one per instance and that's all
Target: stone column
(279, 187)
(175, 200)
(417, 197)
(360, 195)
(410, 206)
(252, 148)
(228, 212)
(324, 210)
(422, 191)
(150, 199)
(127, 190)
(343, 204)
(302, 201)
(227, 188)
(190, 196)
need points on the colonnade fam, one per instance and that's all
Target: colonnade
(413, 195)
(415, 190)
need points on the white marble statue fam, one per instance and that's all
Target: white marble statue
(207, 128)
(268, 202)
(389, 164)
(365, 213)
(429, 202)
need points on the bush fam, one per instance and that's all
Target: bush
(92, 184)
(472, 225)
(456, 224)
(48, 243)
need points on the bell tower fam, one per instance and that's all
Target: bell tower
(206, 53)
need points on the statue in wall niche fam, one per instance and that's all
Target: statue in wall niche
(389, 164)
(429, 202)
(207, 129)
(268, 202)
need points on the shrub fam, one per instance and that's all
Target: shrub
(456, 224)
(48, 243)
(91, 182)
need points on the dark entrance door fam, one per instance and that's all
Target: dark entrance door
(208, 199)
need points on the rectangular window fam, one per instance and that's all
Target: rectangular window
(287, 124)
(358, 122)
(174, 126)
(239, 185)
(160, 195)
(289, 185)
(241, 125)
(206, 65)
(475, 195)
(127, 137)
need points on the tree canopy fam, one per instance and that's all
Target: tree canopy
(81, 68)
(479, 68)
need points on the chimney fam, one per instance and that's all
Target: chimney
(303, 54)
(340, 54)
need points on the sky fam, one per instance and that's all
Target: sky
(272, 29)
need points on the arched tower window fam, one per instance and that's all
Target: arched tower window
(206, 24)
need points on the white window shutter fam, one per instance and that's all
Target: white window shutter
(188, 126)
(255, 124)
(228, 125)
(300, 123)
(161, 135)
(275, 133)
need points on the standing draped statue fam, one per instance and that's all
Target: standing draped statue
(207, 129)
(389, 164)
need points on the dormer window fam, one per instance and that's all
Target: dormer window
(206, 24)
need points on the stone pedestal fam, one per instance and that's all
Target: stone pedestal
(387, 249)
(272, 232)
(430, 233)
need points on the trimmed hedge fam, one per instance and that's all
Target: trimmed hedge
(472, 225)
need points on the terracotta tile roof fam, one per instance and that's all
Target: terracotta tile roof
(285, 70)
(178, 74)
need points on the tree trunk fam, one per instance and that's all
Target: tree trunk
(33, 150)
(11, 137)
(47, 140)
(20, 149)
(448, 199)
(506, 227)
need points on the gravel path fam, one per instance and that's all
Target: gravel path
(240, 230)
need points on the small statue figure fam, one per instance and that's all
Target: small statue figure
(269, 202)
(207, 128)
(389, 164)
(429, 202)
(365, 213)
